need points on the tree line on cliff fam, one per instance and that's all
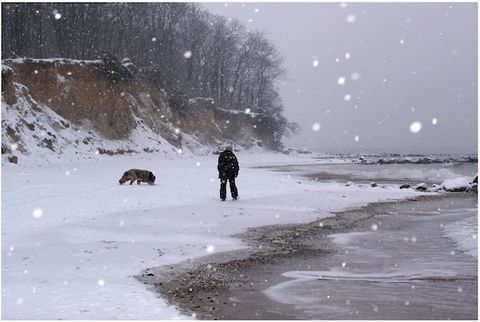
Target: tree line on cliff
(180, 47)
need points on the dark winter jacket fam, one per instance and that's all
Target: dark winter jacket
(227, 165)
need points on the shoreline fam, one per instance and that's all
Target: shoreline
(203, 287)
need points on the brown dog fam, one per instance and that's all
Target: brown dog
(139, 175)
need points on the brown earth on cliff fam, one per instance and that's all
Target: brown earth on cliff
(80, 92)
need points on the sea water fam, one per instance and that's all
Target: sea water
(431, 173)
(413, 263)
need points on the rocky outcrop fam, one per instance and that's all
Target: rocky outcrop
(462, 184)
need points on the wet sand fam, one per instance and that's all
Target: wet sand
(235, 285)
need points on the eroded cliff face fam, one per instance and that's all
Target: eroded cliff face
(66, 107)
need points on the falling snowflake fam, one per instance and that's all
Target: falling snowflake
(347, 55)
(35, 71)
(374, 227)
(179, 151)
(101, 282)
(413, 239)
(341, 80)
(14, 146)
(402, 41)
(69, 73)
(154, 39)
(57, 15)
(37, 213)
(230, 89)
(316, 127)
(247, 111)
(351, 18)
(315, 63)
(415, 127)
(187, 54)
(250, 20)
(356, 138)
(344, 264)
(67, 173)
(343, 5)
(355, 76)
(347, 97)
(198, 164)
(459, 289)
(177, 130)
(210, 249)
(19, 301)
(256, 10)
(121, 223)
(97, 152)
(434, 121)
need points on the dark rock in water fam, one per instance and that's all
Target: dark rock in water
(421, 187)
(457, 189)
(476, 179)
(373, 184)
(435, 188)
(405, 186)
(13, 159)
(348, 184)
(474, 188)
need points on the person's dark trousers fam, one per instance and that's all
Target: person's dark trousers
(223, 188)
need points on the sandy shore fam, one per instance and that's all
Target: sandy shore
(231, 285)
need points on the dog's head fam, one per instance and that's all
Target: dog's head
(151, 178)
(124, 178)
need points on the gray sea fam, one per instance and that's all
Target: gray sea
(415, 262)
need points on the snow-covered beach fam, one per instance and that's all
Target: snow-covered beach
(73, 239)
(358, 179)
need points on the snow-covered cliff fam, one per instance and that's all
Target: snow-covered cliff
(59, 108)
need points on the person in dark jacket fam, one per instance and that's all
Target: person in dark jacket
(228, 171)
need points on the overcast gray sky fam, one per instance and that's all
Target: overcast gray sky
(360, 74)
